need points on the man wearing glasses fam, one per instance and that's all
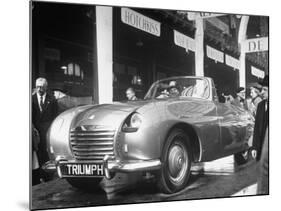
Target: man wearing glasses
(44, 111)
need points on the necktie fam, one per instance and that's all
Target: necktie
(41, 103)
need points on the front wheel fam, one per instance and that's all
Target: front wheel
(176, 162)
(86, 184)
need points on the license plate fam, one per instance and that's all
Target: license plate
(79, 169)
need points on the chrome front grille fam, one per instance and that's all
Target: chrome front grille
(92, 142)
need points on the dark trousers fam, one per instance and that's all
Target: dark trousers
(36, 176)
(43, 155)
(263, 180)
(42, 147)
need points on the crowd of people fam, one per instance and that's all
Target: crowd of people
(249, 103)
(257, 105)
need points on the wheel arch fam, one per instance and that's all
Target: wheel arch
(193, 138)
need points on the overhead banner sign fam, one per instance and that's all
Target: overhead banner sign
(184, 41)
(257, 72)
(232, 62)
(140, 21)
(193, 15)
(215, 54)
(219, 24)
(255, 45)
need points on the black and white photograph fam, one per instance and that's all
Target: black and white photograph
(121, 105)
(134, 105)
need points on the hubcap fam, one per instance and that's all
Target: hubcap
(177, 163)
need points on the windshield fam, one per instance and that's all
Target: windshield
(179, 87)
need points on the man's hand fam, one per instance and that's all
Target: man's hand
(35, 138)
(254, 153)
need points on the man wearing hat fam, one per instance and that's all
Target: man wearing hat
(260, 138)
(255, 99)
(261, 121)
(240, 98)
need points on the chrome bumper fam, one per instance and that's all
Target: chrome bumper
(111, 165)
(51, 166)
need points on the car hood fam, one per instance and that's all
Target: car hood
(107, 114)
(128, 106)
(114, 114)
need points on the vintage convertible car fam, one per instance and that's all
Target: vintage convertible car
(180, 121)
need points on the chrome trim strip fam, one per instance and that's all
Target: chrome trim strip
(90, 138)
(134, 166)
(92, 133)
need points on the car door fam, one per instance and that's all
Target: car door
(232, 129)
(202, 116)
(207, 125)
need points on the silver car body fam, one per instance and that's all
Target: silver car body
(94, 134)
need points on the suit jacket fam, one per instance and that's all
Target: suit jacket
(48, 114)
(261, 123)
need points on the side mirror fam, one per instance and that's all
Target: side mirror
(215, 98)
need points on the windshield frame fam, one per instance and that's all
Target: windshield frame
(149, 95)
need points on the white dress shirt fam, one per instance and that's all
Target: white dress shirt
(39, 99)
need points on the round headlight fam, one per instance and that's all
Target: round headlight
(135, 120)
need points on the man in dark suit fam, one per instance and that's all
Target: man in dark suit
(44, 110)
(263, 179)
(260, 139)
(261, 121)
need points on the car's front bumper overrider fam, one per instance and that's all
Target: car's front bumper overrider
(110, 165)
(52, 165)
